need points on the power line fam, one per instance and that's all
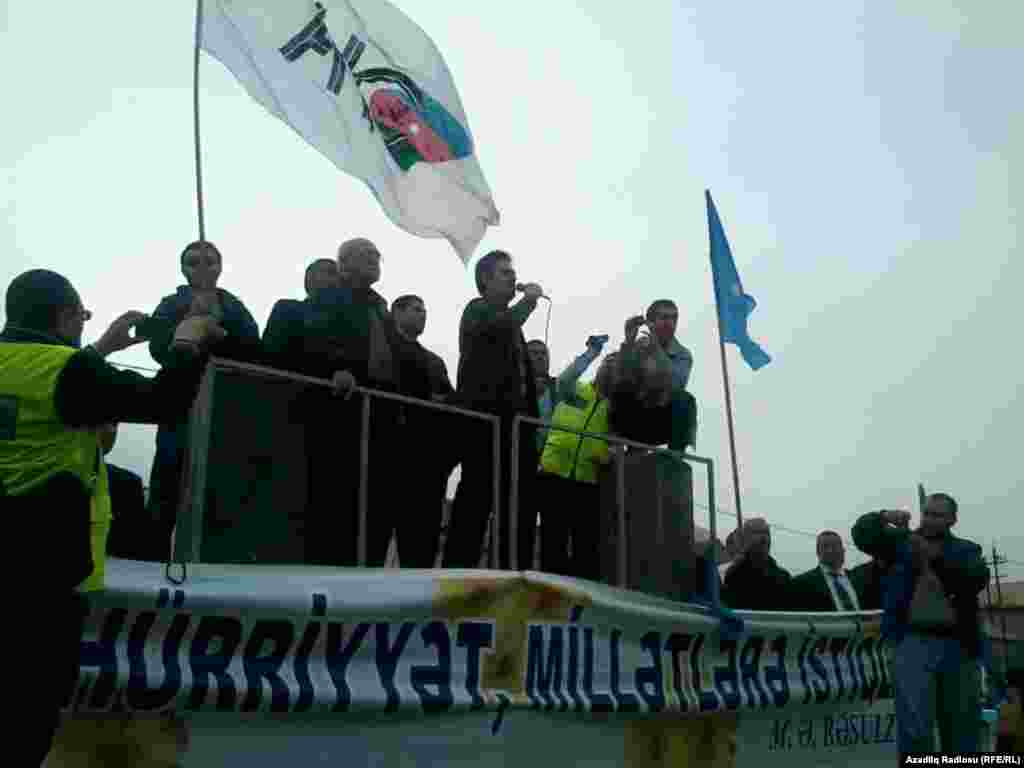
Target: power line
(787, 529)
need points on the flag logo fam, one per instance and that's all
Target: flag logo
(414, 126)
(366, 87)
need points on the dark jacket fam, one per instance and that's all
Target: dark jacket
(54, 517)
(242, 342)
(328, 332)
(705, 572)
(134, 535)
(493, 362)
(423, 374)
(810, 592)
(282, 335)
(867, 579)
(755, 586)
(961, 569)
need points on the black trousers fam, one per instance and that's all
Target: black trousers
(405, 489)
(331, 516)
(416, 484)
(47, 670)
(569, 526)
(473, 499)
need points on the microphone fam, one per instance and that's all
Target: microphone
(520, 288)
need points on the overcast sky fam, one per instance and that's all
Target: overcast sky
(865, 159)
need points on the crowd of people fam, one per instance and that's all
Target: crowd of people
(926, 581)
(60, 404)
(345, 332)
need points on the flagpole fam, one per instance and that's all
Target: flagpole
(732, 431)
(726, 279)
(195, 122)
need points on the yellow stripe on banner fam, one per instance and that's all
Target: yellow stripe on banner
(708, 742)
(872, 627)
(119, 741)
(512, 602)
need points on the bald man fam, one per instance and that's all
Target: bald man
(346, 336)
(754, 581)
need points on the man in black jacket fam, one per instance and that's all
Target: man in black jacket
(495, 376)
(282, 336)
(422, 374)
(754, 581)
(829, 587)
(201, 265)
(343, 333)
(134, 533)
(53, 398)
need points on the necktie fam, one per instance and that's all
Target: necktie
(845, 601)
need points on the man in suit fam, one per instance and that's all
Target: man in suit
(829, 586)
(931, 622)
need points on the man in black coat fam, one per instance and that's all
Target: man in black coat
(134, 533)
(495, 376)
(423, 375)
(343, 333)
(754, 581)
(282, 337)
(829, 587)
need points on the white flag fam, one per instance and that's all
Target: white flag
(364, 85)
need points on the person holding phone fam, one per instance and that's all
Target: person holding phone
(930, 622)
(54, 397)
(201, 265)
(567, 491)
(655, 406)
(552, 391)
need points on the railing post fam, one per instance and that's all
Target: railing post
(712, 510)
(364, 480)
(620, 505)
(191, 509)
(513, 496)
(495, 491)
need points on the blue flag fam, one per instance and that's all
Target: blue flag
(734, 306)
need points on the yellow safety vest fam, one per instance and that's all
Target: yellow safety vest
(35, 445)
(100, 515)
(569, 455)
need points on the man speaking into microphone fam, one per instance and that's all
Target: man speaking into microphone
(494, 376)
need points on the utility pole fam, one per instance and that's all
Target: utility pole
(998, 560)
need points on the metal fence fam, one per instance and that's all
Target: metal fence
(189, 533)
(618, 444)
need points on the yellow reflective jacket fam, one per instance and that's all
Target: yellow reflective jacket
(572, 456)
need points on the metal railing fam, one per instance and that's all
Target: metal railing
(192, 505)
(619, 443)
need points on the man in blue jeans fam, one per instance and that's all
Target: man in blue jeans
(930, 603)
